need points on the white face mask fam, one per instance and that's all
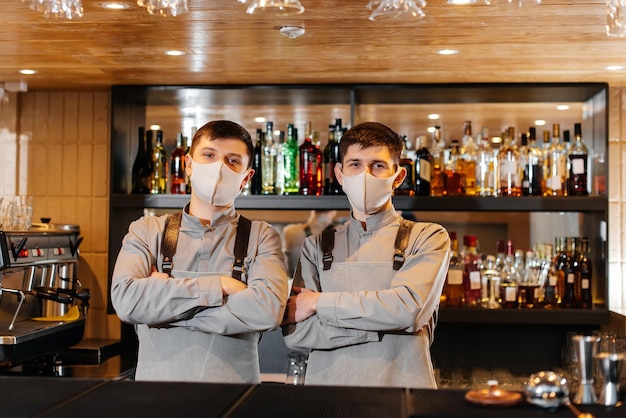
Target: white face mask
(216, 183)
(367, 193)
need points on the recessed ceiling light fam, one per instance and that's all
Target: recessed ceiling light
(614, 67)
(430, 129)
(259, 119)
(562, 107)
(447, 52)
(540, 122)
(27, 72)
(114, 5)
(155, 127)
(174, 52)
(461, 1)
(433, 116)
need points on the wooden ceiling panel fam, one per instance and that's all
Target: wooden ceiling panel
(557, 40)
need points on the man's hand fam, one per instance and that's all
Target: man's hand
(301, 305)
(231, 286)
(158, 274)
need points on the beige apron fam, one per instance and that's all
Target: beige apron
(397, 360)
(180, 354)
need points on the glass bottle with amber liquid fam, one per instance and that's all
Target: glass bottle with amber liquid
(423, 167)
(472, 288)
(407, 187)
(158, 181)
(469, 151)
(455, 175)
(178, 184)
(454, 278)
(141, 166)
(558, 164)
(438, 150)
(578, 163)
(585, 271)
(549, 280)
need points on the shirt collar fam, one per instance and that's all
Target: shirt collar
(376, 221)
(191, 222)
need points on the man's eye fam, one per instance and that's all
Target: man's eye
(234, 161)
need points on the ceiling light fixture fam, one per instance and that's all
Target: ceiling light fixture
(562, 107)
(447, 52)
(614, 67)
(397, 9)
(114, 5)
(174, 52)
(291, 32)
(26, 71)
(278, 7)
(461, 1)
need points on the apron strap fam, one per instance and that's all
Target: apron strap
(328, 244)
(402, 241)
(241, 246)
(170, 239)
(307, 231)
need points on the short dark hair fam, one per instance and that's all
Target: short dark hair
(223, 129)
(372, 134)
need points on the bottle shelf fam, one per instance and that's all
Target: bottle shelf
(596, 316)
(414, 203)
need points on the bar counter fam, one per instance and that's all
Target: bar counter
(94, 398)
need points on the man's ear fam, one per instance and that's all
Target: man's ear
(400, 177)
(338, 173)
(188, 165)
(247, 178)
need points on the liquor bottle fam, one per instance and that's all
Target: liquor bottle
(158, 181)
(472, 288)
(189, 141)
(438, 180)
(290, 163)
(331, 158)
(567, 273)
(469, 151)
(407, 187)
(455, 176)
(490, 281)
(279, 183)
(566, 145)
(141, 166)
(547, 174)
(585, 272)
(150, 152)
(424, 162)
(310, 165)
(558, 163)
(268, 167)
(549, 279)
(529, 289)
(256, 183)
(523, 162)
(484, 168)
(510, 278)
(508, 162)
(533, 167)
(578, 161)
(178, 183)
(454, 278)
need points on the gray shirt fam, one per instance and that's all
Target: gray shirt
(187, 330)
(372, 323)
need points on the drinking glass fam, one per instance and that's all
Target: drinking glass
(616, 17)
(296, 368)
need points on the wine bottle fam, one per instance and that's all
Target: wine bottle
(268, 169)
(331, 158)
(423, 167)
(290, 163)
(141, 166)
(407, 187)
(158, 180)
(578, 162)
(178, 183)
(454, 277)
(257, 164)
(310, 161)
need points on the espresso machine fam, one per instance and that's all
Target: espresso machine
(42, 303)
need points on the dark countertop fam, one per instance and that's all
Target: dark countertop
(89, 397)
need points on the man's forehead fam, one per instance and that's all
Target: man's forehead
(356, 151)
